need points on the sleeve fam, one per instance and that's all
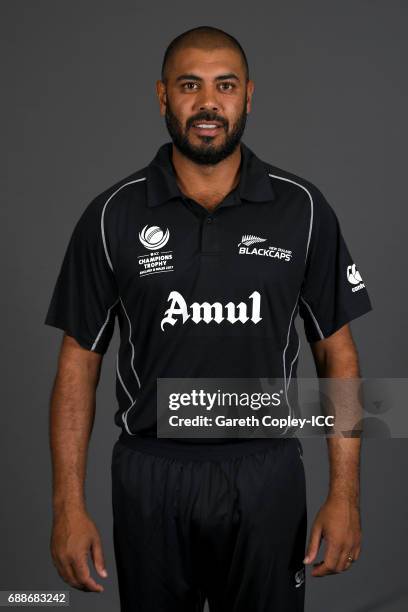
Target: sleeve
(333, 292)
(85, 298)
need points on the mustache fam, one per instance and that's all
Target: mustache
(206, 117)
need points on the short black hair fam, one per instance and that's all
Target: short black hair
(205, 37)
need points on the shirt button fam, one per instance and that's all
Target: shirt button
(209, 219)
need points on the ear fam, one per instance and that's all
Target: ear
(249, 94)
(162, 96)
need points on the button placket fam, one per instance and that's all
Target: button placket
(209, 235)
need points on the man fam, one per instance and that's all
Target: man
(161, 250)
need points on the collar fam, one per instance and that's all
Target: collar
(254, 184)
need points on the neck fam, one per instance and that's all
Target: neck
(207, 185)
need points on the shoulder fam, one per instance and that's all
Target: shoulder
(286, 182)
(122, 191)
(109, 203)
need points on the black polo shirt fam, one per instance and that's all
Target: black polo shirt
(199, 294)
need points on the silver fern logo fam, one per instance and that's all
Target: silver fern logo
(249, 239)
(249, 245)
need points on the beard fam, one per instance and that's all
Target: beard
(206, 153)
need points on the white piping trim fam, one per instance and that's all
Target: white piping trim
(103, 214)
(284, 363)
(103, 326)
(120, 379)
(291, 365)
(311, 205)
(131, 343)
(124, 419)
(133, 402)
(314, 319)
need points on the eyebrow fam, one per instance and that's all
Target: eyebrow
(194, 77)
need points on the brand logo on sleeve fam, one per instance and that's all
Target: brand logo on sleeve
(153, 237)
(206, 312)
(354, 277)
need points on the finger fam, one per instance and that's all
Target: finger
(320, 569)
(334, 557)
(328, 565)
(83, 576)
(78, 578)
(97, 557)
(314, 543)
(345, 560)
(65, 571)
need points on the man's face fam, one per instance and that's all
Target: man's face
(205, 103)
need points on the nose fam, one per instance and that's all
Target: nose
(206, 106)
(207, 100)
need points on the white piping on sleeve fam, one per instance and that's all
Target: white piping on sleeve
(103, 215)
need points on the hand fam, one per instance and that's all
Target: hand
(74, 536)
(338, 522)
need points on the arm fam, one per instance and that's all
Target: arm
(72, 411)
(338, 521)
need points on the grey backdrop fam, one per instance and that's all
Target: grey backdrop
(80, 113)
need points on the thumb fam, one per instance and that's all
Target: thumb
(314, 543)
(97, 557)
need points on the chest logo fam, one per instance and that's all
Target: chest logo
(153, 237)
(206, 312)
(245, 247)
(247, 240)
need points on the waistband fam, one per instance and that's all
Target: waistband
(202, 451)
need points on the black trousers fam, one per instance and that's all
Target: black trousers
(223, 522)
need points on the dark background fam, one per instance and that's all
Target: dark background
(80, 113)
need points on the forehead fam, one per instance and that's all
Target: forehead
(205, 62)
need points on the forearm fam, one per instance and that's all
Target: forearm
(341, 370)
(72, 411)
(344, 458)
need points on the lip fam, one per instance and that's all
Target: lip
(207, 131)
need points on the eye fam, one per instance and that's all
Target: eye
(227, 86)
(189, 85)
